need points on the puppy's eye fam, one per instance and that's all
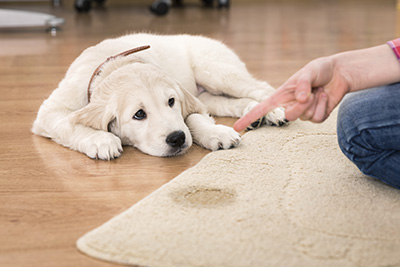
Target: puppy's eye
(171, 102)
(140, 115)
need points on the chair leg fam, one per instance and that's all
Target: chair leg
(83, 5)
(160, 7)
(224, 3)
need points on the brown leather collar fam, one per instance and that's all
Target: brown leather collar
(98, 69)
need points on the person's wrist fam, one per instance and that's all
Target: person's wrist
(342, 69)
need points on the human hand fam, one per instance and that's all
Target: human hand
(310, 94)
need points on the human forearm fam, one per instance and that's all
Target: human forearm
(368, 67)
(316, 89)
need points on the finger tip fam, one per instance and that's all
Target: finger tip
(289, 117)
(238, 127)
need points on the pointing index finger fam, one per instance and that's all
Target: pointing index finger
(280, 98)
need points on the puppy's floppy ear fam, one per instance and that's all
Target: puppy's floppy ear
(95, 115)
(190, 104)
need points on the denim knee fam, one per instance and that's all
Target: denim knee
(348, 134)
(368, 134)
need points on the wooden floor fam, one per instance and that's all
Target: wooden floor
(49, 195)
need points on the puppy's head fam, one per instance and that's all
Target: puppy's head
(144, 107)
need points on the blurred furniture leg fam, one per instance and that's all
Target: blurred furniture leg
(158, 7)
(16, 19)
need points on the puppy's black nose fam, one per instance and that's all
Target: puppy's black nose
(176, 139)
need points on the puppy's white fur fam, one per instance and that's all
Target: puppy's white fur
(175, 83)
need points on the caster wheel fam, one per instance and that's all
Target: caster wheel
(83, 5)
(208, 3)
(159, 7)
(224, 3)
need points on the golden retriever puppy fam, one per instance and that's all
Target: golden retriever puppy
(156, 98)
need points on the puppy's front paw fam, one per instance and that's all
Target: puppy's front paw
(220, 137)
(276, 117)
(101, 145)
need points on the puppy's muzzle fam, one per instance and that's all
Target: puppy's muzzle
(176, 139)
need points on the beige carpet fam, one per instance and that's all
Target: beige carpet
(285, 197)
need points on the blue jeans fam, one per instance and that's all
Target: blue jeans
(368, 131)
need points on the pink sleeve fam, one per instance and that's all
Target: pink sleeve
(395, 45)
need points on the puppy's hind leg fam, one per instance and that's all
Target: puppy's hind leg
(219, 78)
(223, 106)
(236, 82)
